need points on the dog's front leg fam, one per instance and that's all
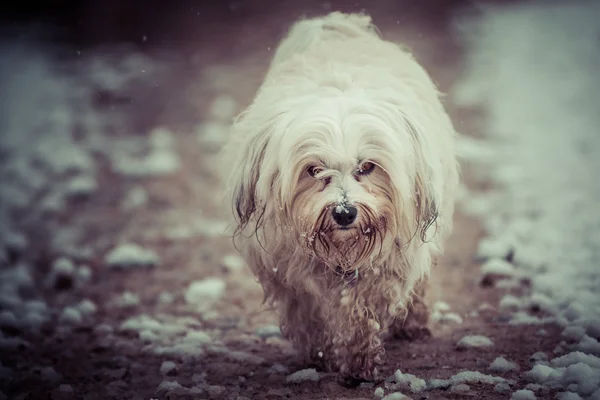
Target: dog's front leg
(355, 345)
(301, 323)
(414, 324)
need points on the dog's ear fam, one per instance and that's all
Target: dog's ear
(426, 210)
(246, 201)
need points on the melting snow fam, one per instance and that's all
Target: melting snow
(310, 374)
(501, 364)
(465, 377)
(168, 367)
(534, 69)
(205, 292)
(523, 394)
(406, 382)
(130, 255)
(546, 208)
(474, 341)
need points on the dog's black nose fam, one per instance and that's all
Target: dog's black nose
(344, 215)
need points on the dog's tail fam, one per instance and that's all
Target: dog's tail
(336, 25)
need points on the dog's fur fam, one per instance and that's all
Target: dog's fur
(335, 99)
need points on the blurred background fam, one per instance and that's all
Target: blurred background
(117, 279)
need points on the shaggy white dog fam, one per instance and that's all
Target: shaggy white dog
(342, 176)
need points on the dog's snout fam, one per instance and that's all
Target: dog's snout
(344, 215)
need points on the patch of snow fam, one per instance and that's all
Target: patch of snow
(277, 369)
(396, 396)
(545, 205)
(170, 388)
(205, 292)
(130, 255)
(464, 377)
(441, 306)
(233, 263)
(406, 381)
(450, 318)
(84, 275)
(166, 298)
(568, 396)
(87, 307)
(127, 299)
(223, 107)
(309, 374)
(499, 268)
(161, 138)
(576, 357)
(523, 394)
(510, 302)
(267, 331)
(212, 135)
(71, 316)
(8, 319)
(158, 162)
(168, 368)
(494, 249)
(460, 388)
(62, 272)
(501, 364)
(522, 318)
(12, 343)
(379, 392)
(573, 333)
(581, 378)
(540, 373)
(588, 345)
(81, 186)
(474, 341)
(135, 197)
(49, 374)
(538, 356)
(502, 387)
(66, 388)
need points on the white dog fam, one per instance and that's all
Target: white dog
(342, 176)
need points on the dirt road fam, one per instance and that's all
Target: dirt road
(220, 341)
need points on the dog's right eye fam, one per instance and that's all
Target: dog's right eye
(314, 170)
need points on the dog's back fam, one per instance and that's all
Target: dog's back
(336, 25)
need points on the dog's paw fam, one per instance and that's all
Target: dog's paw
(413, 333)
(350, 382)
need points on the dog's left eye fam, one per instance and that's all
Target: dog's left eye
(314, 170)
(366, 168)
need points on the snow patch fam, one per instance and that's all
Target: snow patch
(205, 292)
(130, 255)
(168, 368)
(405, 381)
(474, 342)
(523, 394)
(501, 364)
(465, 377)
(309, 374)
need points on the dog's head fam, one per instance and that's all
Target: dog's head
(344, 178)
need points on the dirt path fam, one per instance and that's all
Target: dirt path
(222, 344)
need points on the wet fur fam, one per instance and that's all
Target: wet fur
(336, 94)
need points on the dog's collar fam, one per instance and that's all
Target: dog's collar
(351, 277)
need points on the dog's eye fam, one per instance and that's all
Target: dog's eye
(314, 170)
(366, 168)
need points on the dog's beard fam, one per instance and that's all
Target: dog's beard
(347, 248)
